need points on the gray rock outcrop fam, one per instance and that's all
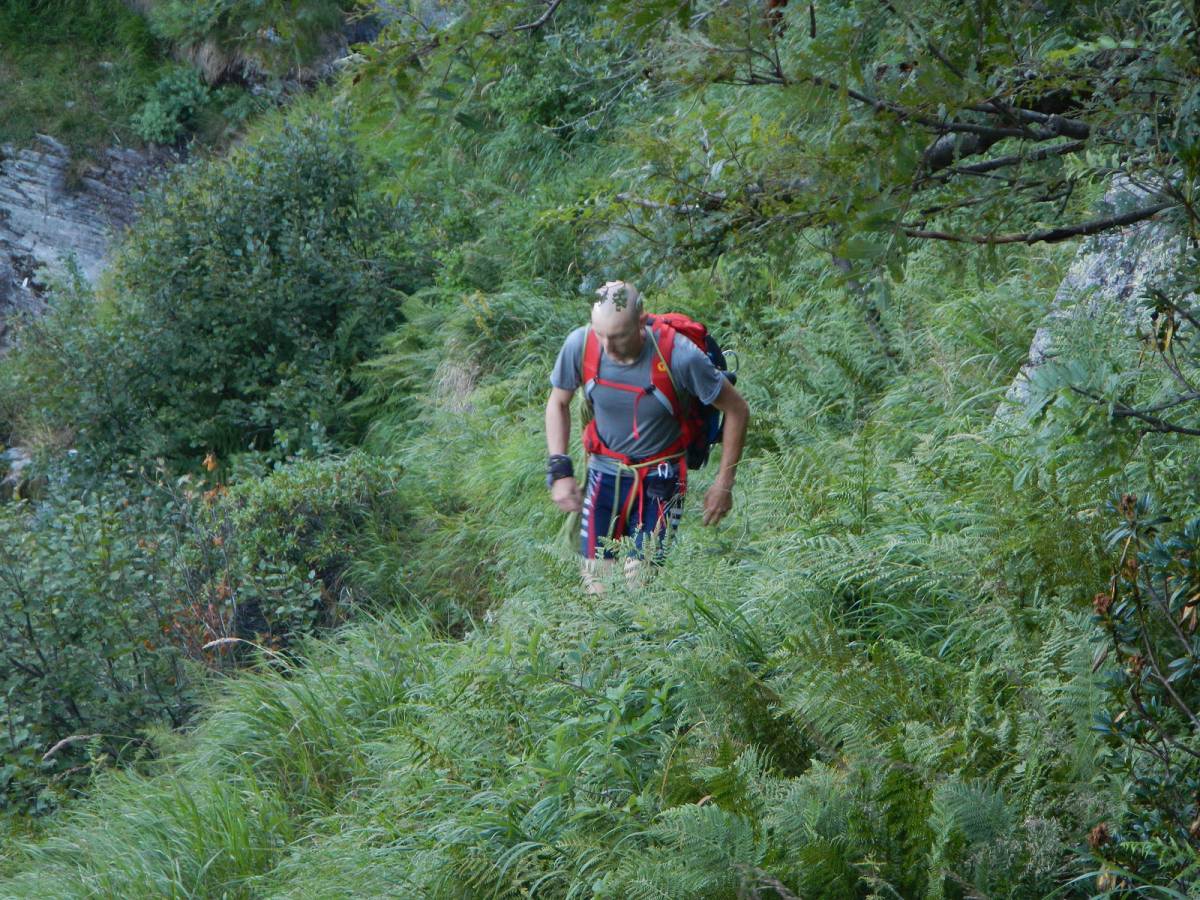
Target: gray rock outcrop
(54, 208)
(1109, 274)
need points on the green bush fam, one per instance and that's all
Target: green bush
(242, 298)
(317, 517)
(88, 615)
(172, 106)
(110, 602)
(259, 281)
(182, 105)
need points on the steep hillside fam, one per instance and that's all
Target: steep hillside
(294, 511)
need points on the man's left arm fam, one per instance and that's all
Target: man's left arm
(719, 499)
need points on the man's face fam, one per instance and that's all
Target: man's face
(620, 334)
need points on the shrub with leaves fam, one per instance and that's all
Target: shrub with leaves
(257, 282)
(319, 517)
(172, 106)
(110, 604)
(1151, 650)
(244, 295)
(88, 611)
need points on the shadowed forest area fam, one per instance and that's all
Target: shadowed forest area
(285, 608)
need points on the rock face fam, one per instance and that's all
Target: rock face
(1109, 273)
(13, 463)
(53, 207)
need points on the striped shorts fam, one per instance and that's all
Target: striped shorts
(612, 509)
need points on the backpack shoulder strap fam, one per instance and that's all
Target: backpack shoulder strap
(590, 369)
(663, 338)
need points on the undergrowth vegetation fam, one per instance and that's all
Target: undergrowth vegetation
(249, 290)
(119, 596)
(93, 73)
(903, 667)
(77, 70)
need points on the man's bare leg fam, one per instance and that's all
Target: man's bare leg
(596, 573)
(637, 572)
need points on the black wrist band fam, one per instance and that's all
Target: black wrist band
(559, 466)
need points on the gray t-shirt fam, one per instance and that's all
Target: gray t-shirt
(691, 370)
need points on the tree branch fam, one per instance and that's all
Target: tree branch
(1002, 162)
(1052, 122)
(1045, 235)
(1178, 400)
(956, 138)
(1053, 125)
(551, 9)
(1154, 423)
(952, 145)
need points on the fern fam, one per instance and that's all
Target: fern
(873, 679)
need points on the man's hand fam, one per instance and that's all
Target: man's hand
(718, 501)
(565, 494)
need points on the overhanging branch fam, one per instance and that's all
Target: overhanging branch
(1002, 162)
(1152, 422)
(1052, 122)
(958, 139)
(545, 17)
(1045, 235)
(551, 8)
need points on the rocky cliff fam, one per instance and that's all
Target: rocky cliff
(54, 208)
(1110, 272)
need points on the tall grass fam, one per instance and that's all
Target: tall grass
(864, 640)
(74, 69)
(874, 679)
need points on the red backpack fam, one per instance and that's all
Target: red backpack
(699, 425)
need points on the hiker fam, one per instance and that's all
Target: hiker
(637, 448)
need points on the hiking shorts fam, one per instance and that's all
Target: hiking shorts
(611, 509)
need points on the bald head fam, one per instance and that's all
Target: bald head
(618, 300)
(617, 320)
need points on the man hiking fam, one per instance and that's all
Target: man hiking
(637, 443)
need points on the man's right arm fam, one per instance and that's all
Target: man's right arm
(558, 420)
(564, 491)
